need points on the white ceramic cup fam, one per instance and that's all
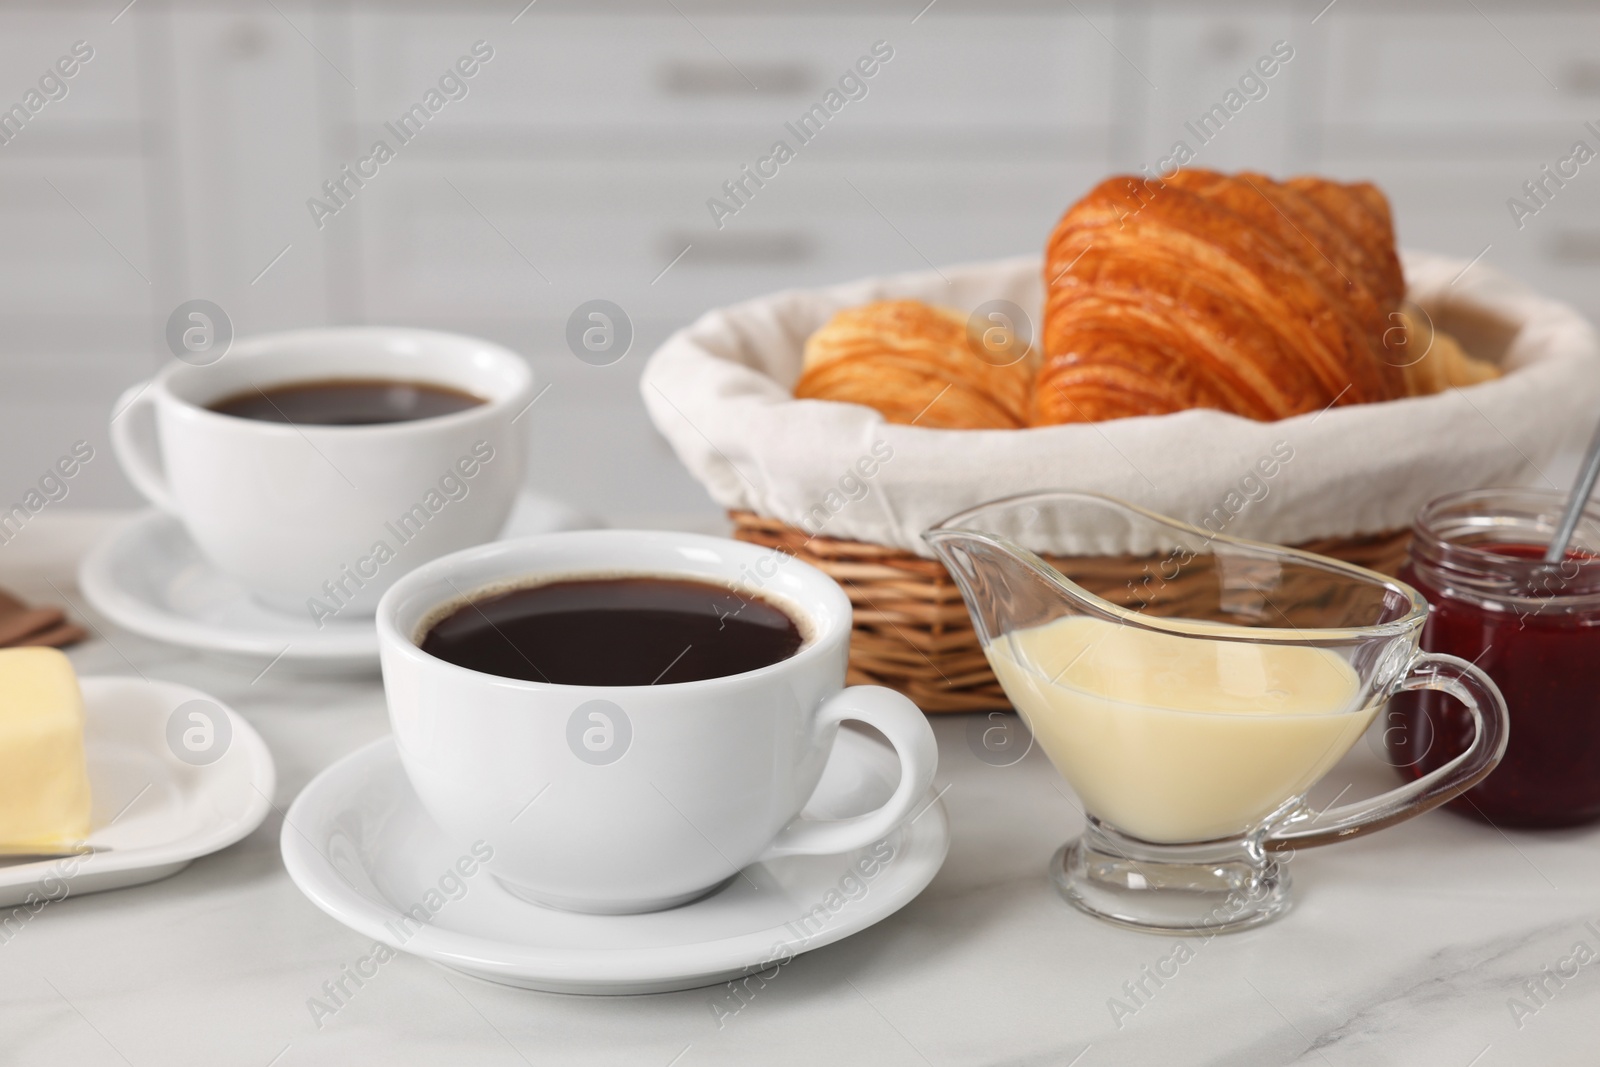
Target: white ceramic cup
(296, 513)
(614, 799)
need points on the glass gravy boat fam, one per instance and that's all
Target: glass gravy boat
(1192, 687)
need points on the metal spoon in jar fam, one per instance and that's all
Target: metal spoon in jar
(1557, 552)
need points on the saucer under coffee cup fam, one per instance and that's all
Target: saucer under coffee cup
(629, 798)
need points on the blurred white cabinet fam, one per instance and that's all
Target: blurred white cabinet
(577, 163)
(1457, 75)
(83, 256)
(531, 237)
(649, 77)
(580, 160)
(249, 94)
(79, 248)
(1196, 59)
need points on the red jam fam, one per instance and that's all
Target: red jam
(1535, 629)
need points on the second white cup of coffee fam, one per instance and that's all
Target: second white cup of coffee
(321, 519)
(629, 798)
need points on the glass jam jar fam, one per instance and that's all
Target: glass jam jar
(1534, 628)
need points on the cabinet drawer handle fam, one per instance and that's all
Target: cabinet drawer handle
(692, 77)
(1580, 77)
(1575, 246)
(729, 248)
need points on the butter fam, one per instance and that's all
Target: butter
(44, 780)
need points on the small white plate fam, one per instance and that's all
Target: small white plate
(153, 812)
(147, 576)
(357, 842)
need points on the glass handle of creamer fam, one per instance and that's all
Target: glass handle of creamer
(1305, 828)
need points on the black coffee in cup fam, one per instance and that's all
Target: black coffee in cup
(346, 402)
(635, 630)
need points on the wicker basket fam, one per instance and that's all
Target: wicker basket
(912, 632)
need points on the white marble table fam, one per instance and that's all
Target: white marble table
(1405, 948)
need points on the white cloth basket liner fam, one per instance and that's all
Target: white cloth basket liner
(719, 390)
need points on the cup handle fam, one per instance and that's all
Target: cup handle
(1491, 727)
(908, 731)
(133, 438)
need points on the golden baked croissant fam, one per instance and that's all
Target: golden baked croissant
(918, 364)
(1430, 360)
(1204, 290)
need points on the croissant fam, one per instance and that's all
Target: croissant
(1432, 361)
(1204, 290)
(919, 364)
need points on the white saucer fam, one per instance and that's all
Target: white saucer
(147, 576)
(153, 812)
(357, 843)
